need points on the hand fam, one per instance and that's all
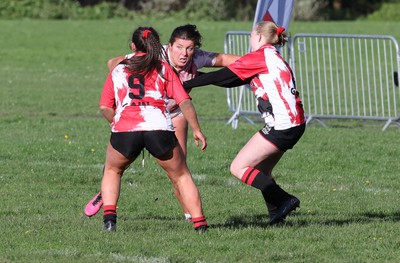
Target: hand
(199, 136)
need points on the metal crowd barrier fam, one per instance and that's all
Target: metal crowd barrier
(240, 100)
(338, 76)
(347, 76)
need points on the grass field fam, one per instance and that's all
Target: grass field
(52, 149)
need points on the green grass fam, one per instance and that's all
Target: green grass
(52, 149)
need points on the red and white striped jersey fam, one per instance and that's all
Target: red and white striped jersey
(271, 75)
(201, 58)
(140, 102)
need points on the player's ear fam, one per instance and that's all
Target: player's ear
(133, 47)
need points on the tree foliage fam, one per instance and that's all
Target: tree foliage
(244, 9)
(241, 10)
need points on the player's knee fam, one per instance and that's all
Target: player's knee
(234, 169)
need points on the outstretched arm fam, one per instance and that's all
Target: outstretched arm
(223, 78)
(111, 63)
(223, 60)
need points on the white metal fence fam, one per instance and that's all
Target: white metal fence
(338, 76)
(240, 100)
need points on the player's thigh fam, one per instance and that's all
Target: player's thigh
(124, 147)
(115, 160)
(254, 152)
(160, 143)
(173, 162)
(269, 163)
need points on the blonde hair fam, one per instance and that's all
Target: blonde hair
(274, 34)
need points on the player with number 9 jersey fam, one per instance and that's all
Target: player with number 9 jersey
(140, 101)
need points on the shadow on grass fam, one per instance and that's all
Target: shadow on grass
(150, 217)
(234, 222)
(306, 219)
(359, 218)
(301, 219)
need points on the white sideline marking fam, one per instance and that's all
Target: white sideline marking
(376, 190)
(141, 259)
(200, 177)
(73, 166)
(231, 181)
(114, 256)
(62, 252)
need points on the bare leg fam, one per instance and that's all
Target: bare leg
(114, 167)
(174, 164)
(181, 130)
(262, 155)
(258, 152)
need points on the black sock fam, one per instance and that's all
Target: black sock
(257, 179)
(275, 195)
(110, 213)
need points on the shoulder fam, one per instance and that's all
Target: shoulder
(167, 68)
(253, 56)
(203, 58)
(203, 53)
(128, 56)
(118, 69)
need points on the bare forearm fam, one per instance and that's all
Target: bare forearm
(111, 63)
(224, 60)
(108, 113)
(189, 112)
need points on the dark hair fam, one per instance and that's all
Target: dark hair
(187, 32)
(146, 40)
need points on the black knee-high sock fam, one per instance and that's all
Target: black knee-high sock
(270, 207)
(275, 195)
(272, 192)
(257, 179)
(110, 213)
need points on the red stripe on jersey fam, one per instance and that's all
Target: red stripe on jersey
(289, 112)
(300, 118)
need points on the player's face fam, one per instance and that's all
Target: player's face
(181, 52)
(254, 40)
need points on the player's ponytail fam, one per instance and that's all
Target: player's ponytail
(146, 41)
(275, 34)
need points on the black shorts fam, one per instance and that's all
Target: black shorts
(130, 144)
(284, 139)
